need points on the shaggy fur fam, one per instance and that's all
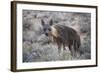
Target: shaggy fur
(63, 36)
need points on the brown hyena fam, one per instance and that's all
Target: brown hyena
(62, 36)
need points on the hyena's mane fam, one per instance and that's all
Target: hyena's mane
(63, 32)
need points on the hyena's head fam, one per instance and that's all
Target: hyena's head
(47, 27)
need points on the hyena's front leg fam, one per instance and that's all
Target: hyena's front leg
(64, 46)
(59, 47)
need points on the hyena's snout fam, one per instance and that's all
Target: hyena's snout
(47, 32)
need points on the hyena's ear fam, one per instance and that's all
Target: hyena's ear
(42, 22)
(51, 22)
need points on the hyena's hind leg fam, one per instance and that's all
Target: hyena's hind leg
(77, 49)
(72, 50)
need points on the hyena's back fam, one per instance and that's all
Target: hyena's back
(67, 36)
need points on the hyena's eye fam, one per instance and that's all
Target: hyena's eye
(49, 29)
